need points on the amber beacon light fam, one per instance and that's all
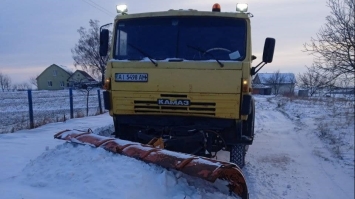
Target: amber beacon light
(216, 8)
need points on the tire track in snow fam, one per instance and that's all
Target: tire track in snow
(316, 150)
(281, 163)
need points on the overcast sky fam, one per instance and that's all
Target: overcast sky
(37, 33)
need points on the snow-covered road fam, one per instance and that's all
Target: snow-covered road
(286, 160)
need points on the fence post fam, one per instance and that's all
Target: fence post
(71, 102)
(29, 93)
(99, 95)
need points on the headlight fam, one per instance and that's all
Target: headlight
(242, 7)
(122, 9)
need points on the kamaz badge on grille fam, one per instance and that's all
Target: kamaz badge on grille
(178, 102)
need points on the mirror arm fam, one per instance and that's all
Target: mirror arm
(104, 26)
(260, 67)
(253, 70)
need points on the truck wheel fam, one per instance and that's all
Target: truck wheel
(237, 155)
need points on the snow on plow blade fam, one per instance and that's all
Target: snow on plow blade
(204, 168)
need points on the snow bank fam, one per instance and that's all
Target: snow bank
(85, 172)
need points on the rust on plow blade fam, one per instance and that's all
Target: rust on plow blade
(204, 168)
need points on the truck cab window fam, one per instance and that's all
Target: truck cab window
(121, 46)
(169, 37)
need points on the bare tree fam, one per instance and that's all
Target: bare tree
(5, 82)
(85, 87)
(333, 47)
(33, 80)
(13, 87)
(86, 51)
(291, 84)
(275, 81)
(314, 80)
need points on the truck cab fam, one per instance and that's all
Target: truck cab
(183, 78)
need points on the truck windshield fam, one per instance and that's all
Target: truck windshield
(189, 38)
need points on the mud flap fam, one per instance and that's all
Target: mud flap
(246, 105)
(107, 102)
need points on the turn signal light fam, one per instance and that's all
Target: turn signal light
(107, 85)
(245, 86)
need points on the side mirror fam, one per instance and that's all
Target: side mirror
(104, 37)
(269, 48)
(268, 54)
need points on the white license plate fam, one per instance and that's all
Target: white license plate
(131, 77)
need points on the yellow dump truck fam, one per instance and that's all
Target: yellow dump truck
(178, 86)
(183, 78)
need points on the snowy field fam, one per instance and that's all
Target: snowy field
(303, 149)
(48, 106)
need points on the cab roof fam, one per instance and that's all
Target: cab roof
(189, 12)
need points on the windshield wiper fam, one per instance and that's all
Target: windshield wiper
(205, 52)
(143, 53)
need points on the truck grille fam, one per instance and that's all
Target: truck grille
(195, 108)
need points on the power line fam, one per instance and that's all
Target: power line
(101, 6)
(98, 7)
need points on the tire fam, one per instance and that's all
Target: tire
(237, 155)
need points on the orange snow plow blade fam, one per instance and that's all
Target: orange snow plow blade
(204, 168)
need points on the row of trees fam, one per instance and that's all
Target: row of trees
(333, 49)
(7, 85)
(315, 80)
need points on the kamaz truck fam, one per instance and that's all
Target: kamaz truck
(183, 76)
(179, 81)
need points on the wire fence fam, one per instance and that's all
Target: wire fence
(47, 107)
